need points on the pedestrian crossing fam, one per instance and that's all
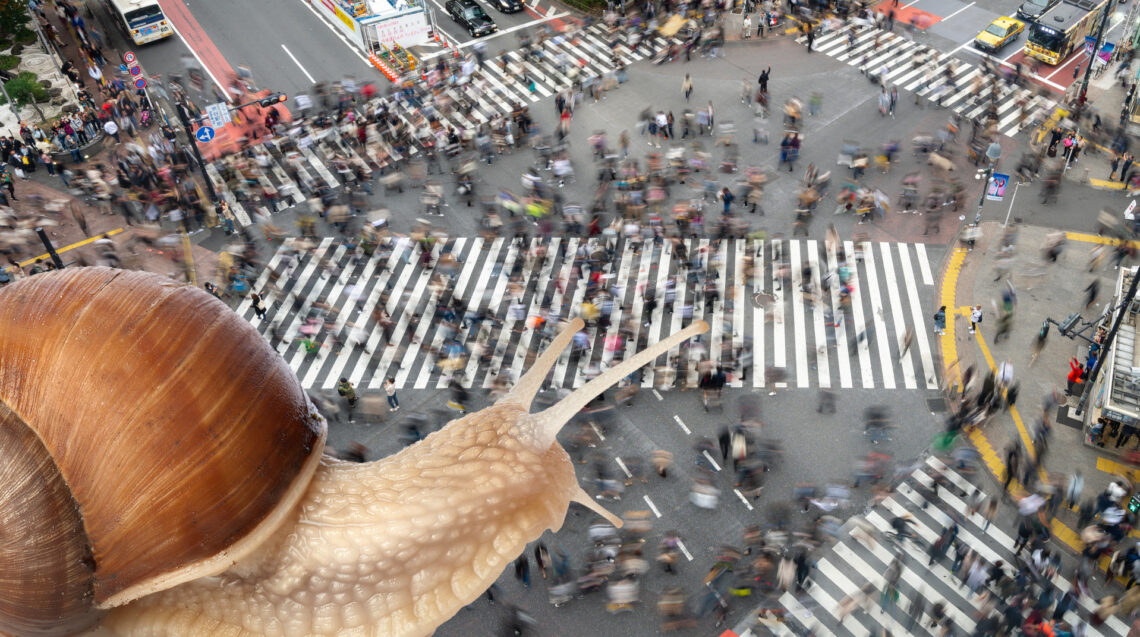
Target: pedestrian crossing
(492, 92)
(495, 90)
(857, 560)
(769, 327)
(874, 48)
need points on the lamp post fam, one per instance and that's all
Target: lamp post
(985, 174)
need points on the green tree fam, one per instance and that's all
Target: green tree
(14, 19)
(26, 89)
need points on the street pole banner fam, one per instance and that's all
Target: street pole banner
(995, 190)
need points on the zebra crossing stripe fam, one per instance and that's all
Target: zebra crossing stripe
(874, 48)
(357, 284)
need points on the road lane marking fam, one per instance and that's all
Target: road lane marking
(624, 469)
(657, 395)
(298, 63)
(682, 424)
(685, 551)
(743, 499)
(652, 507)
(924, 264)
(598, 431)
(957, 12)
(711, 460)
(332, 28)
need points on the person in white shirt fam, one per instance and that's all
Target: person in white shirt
(112, 129)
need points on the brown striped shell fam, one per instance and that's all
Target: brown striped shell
(148, 437)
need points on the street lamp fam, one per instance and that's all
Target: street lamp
(984, 174)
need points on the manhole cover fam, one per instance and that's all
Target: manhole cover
(936, 404)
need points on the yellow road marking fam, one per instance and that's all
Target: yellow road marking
(1105, 183)
(73, 246)
(1092, 238)
(1114, 467)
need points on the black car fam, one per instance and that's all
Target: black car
(1031, 10)
(507, 6)
(471, 17)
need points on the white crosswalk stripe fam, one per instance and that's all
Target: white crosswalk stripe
(856, 561)
(294, 174)
(817, 349)
(875, 48)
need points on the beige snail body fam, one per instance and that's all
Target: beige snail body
(136, 391)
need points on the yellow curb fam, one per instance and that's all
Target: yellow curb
(1092, 238)
(1067, 535)
(1106, 184)
(79, 244)
(1114, 467)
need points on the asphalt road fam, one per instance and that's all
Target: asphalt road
(818, 449)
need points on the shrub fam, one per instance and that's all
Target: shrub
(25, 89)
(9, 62)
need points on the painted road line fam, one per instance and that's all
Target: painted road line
(657, 395)
(1021, 429)
(957, 12)
(1092, 238)
(842, 354)
(681, 423)
(799, 330)
(598, 432)
(684, 550)
(1113, 467)
(79, 244)
(866, 371)
(779, 345)
(758, 318)
(711, 460)
(923, 265)
(652, 507)
(923, 345)
(886, 363)
(298, 63)
(823, 368)
(743, 499)
(624, 469)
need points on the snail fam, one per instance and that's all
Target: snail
(163, 474)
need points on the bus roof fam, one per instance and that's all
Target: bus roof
(1067, 14)
(130, 5)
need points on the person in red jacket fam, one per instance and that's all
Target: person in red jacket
(1075, 372)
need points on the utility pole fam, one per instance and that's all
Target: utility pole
(1105, 347)
(1105, 13)
(50, 248)
(984, 175)
(184, 117)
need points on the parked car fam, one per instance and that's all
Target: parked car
(999, 33)
(471, 16)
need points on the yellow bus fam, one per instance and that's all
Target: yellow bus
(142, 20)
(1062, 29)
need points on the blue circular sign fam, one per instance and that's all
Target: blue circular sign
(136, 70)
(140, 83)
(204, 134)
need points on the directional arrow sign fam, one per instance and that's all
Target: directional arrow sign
(204, 134)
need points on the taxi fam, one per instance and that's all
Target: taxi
(999, 33)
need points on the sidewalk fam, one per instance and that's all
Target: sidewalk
(1042, 291)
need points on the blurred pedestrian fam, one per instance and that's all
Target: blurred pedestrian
(390, 391)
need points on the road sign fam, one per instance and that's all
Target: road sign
(219, 114)
(122, 68)
(140, 83)
(136, 70)
(129, 57)
(204, 134)
(995, 190)
(1128, 212)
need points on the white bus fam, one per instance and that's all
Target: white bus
(142, 20)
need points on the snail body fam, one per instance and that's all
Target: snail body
(138, 401)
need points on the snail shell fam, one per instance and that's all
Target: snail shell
(147, 438)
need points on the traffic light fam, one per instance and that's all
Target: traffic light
(1070, 321)
(272, 99)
